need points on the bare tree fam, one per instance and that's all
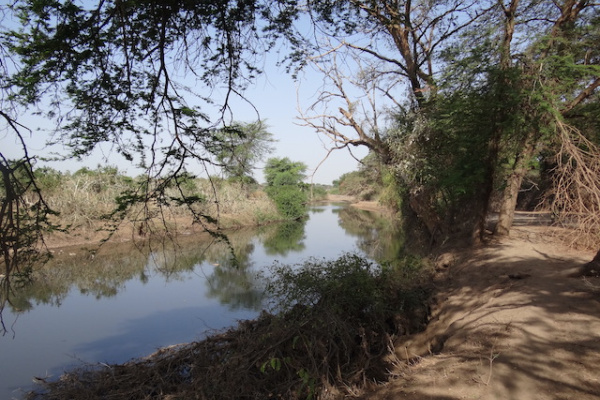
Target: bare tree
(348, 109)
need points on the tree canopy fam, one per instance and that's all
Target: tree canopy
(458, 98)
(284, 185)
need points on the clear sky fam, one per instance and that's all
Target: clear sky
(275, 97)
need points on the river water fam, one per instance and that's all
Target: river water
(125, 302)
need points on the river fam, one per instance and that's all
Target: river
(125, 302)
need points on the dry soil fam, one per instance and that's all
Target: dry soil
(508, 323)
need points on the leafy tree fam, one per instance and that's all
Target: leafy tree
(503, 89)
(129, 74)
(544, 76)
(284, 172)
(284, 185)
(366, 183)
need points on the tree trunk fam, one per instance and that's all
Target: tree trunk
(510, 13)
(511, 191)
(590, 269)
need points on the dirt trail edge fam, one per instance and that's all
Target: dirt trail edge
(508, 323)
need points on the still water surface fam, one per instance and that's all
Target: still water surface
(127, 302)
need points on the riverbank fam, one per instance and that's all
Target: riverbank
(96, 232)
(360, 204)
(508, 321)
(511, 320)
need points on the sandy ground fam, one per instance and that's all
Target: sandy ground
(508, 323)
(363, 205)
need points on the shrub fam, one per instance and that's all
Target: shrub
(337, 318)
(350, 286)
(285, 187)
(290, 200)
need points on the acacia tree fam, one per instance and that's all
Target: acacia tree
(139, 77)
(561, 72)
(241, 146)
(510, 92)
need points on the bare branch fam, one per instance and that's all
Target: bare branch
(576, 189)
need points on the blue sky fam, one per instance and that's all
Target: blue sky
(275, 96)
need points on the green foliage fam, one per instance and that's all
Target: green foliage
(335, 316)
(290, 200)
(24, 217)
(284, 172)
(106, 63)
(318, 192)
(49, 180)
(350, 287)
(285, 187)
(366, 183)
(392, 193)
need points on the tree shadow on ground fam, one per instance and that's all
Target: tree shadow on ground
(509, 324)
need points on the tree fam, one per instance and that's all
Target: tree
(127, 74)
(131, 74)
(373, 54)
(284, 185)
(504, 90)
(241, 146)
(284, 172)
(561, 71)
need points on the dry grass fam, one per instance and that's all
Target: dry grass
(289, 357)
(84, 202)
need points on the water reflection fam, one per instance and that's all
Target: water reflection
(285, 238)
(104, 272)
(123, 301)
(378, 235)
(233, 281)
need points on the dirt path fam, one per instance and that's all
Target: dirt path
(508, 324)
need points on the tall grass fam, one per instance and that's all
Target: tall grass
(85, 200)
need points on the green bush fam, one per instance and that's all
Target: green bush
(334, 320)
(351, 287)
(285, 187)
(290, 200)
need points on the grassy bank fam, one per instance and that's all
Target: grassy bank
(93, 204)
